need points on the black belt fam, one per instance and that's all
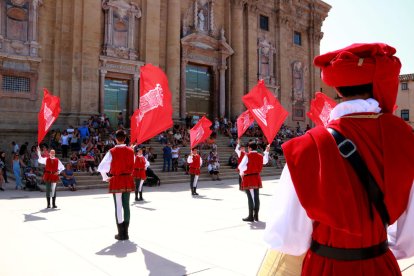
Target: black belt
(139, 169)
(50, 172)
(349, 254)
(251, 174)
(122, 174)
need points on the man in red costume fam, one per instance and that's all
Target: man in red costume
(140, 167)
(195, 162)
(328, 209)
(119, 164)
(250, 168)
(53, 167)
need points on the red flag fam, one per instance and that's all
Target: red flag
(266, 110)
(243, 122)
(155, 109)
(200, 132)
(48, 114)
(320, 109)
(134, 126)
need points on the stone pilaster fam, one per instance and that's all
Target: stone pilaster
(252, 63)
(173, 54)
(152, 26)
(237, 60)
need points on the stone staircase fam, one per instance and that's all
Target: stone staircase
(87, 181)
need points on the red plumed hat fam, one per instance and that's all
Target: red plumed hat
(362, 64)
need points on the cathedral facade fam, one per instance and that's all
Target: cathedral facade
(89, 53)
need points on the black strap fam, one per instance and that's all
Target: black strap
(349, 254)
(375, 196)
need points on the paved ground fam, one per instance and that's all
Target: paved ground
(171, 233)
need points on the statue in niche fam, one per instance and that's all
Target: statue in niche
(297, 74)
(201, 20)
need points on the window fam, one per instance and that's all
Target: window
(404, 86)
(16, 84)
(297, 38)
(405, 114)
(264, 22)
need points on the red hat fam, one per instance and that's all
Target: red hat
(363, 64)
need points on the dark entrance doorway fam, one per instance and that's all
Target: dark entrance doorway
(116, 99)
(198, 90)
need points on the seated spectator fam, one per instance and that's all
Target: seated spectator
(151, 155)
(233, 161)
(213, 168)
(90, 163)
(182, 163)
(68, 179)
(74, 160)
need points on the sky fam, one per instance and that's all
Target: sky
(367, 21)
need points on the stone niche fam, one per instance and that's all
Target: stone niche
(19, 55)
(120, 57)
(203, 44)
(120, 25)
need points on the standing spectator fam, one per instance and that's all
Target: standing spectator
(187, 121)
(120, 119)
(84, 131)
(68, 179)
(119, 161)
(16, 164)
(175, 154)
(15, 147)
(1, 175)
(167, 157)
(250, 168)
(53, 167)
(34, 159)
(3, 159)
(195, 162)
(75, 141)
(64, 141)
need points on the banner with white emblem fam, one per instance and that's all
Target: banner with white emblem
(48, 114)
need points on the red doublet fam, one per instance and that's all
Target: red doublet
(195, 166)
(333, 197)
(50, 175)
(251, 178)
(139, 168)
(122, 166)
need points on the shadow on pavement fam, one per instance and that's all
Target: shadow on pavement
(258, 225)
(30, 217)
(120, 249)
(158, 265)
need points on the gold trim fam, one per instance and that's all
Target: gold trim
(370, 116)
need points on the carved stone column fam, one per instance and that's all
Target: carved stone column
(135, 93)
(237, 66)
(173, 53)
(102, 74)
(222, 100)
(252, 46)
(183, 100)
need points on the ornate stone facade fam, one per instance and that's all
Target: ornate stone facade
(81, 50)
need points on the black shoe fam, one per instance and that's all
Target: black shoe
(140, 197)
(48, 202)
(126, 226)
(256, 215)
(121, 232)
(249, 218)
(54, 202)
(1, 189)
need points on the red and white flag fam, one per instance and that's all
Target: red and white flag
(48, 114)
(200, 132)
(320, 109)
(155, 109)
(243, 122)
(266, 110)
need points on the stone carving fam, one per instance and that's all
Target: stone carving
(265, 60)
(199, 18)
(298, 81)
(120, 19)
(18, 27)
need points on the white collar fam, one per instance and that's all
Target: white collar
(120, 145)
(354, 106)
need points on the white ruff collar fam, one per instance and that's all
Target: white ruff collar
(354, 106)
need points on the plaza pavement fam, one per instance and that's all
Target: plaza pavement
(171, 233)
